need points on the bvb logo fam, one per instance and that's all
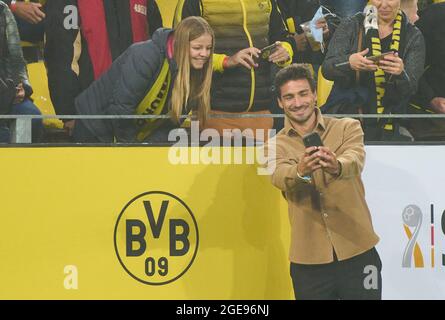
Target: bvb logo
(156, 238)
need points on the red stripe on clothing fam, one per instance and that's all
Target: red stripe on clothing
(139, 24)
(94, 30)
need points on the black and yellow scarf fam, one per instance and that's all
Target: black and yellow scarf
(381, 79)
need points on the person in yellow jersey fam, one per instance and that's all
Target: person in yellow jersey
(242, 81)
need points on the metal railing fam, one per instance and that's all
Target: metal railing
(21, 125)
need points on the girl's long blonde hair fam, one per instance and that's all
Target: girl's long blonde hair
(191, 87)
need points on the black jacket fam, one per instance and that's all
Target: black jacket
(239, 89)
(344, 43)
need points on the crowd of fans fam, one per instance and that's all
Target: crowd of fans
(115, 58)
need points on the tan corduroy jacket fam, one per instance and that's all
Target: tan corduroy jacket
(330, 212)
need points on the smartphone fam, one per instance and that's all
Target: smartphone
(267, 51)
(376, 59)
(312, 140)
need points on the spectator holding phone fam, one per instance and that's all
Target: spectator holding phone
(387, 84)
(242, 80)
(332, 238)
(13, 73)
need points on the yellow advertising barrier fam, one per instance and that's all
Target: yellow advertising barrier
(125, 223)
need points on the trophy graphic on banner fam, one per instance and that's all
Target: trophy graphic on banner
(412, 218)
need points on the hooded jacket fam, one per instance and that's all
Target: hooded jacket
(345, 43)
(120, 90)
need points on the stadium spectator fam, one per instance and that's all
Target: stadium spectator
(410, 7)
(242, 81)
(76, 55)
(170, 74)
(345, 8)
(13, 67)
(375, 86)
(332, 237)
(430, 97)
(295, 13)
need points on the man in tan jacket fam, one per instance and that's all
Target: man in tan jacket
(332, 250)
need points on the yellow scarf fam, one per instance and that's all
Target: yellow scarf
(379, 75)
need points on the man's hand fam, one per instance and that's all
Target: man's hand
(280, 54)
(29, 11)
(309, 162)
(328, 161)
(438, 104)
(244, 58)
(20, 95)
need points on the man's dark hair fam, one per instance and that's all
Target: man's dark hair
(296, 71)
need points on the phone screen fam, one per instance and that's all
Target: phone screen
(379, 57)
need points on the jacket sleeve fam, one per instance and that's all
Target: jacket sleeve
(278, 32)
(154, 17)
(289, 12)
(62, 53)
(15, 63)
(341, 47)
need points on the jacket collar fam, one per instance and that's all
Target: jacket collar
(289, 130)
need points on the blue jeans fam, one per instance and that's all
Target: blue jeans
(23, 108)
(345, 8)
